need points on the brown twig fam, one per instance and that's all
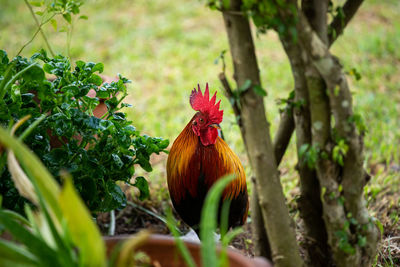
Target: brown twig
(229, 94)
(339, 23)
(283, 135)
(39, 25)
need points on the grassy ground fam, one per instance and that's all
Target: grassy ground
(166, 49)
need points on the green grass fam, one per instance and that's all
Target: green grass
(166, 48)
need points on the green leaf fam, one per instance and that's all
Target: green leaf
(39, 13)
(362, 241)
(43, 180)
(380, 226)
(48, 68)
(36, 3)
(53, 23)
(102, 93)
(89, 189)
(209, 219)
(259, 90)
(164, 144)
(16, 217)
(98, 67)
(303, 150)
(15, 254)
(143, 186)
(63, 29)
(171, 223)
(36, 246)
(246, 85)
(83, 17)
(67, 17)
(35, 73)
(144, 163)
(96, 79)
(83, 230)
(3, 61)
(117, 196)
(117, 160)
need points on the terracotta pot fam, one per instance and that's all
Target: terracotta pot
(162, 249)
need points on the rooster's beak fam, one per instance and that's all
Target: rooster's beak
(216, 126)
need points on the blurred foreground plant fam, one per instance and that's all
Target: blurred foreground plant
(61, 231)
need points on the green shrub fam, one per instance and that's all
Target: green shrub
(97, 152)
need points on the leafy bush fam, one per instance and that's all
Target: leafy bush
(97, 152)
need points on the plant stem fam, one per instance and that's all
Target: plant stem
(4, 89)
(31, 127)
(34, 35)
(164, 220)
(39, 27)
(116, 109)
(111, 230)
(5, 78)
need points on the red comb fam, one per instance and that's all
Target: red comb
(202, 103)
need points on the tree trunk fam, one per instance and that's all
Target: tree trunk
(257, 138)
(309, 203)
(353, 176)
(259, 236)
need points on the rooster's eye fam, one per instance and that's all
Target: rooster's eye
(201, 120)
(195, 123)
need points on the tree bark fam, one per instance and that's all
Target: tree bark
(283, 134)
(353, 174)
(309, 203)
(260, 236)
(344, 211)
(257, 138)
(281, 142)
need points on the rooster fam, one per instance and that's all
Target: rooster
(198, 158)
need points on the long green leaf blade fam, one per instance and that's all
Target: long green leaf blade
(35, 170)
(208, 222)
(83, 231)
(187, 257)
(46, 255)
(17, 255)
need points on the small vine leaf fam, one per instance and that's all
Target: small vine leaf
(67, 17)
(246, 85)
(259, 90)
(143, 186)
(36, 3)
(53, 23)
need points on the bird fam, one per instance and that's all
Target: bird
(198, 158)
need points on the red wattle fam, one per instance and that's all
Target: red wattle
(208, 136)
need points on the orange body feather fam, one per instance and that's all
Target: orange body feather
(192, 169)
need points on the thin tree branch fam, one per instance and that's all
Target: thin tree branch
(39, 25)
(339, 23)
(316, 12)
(260, 236)
(283, 134)
(229, 94)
